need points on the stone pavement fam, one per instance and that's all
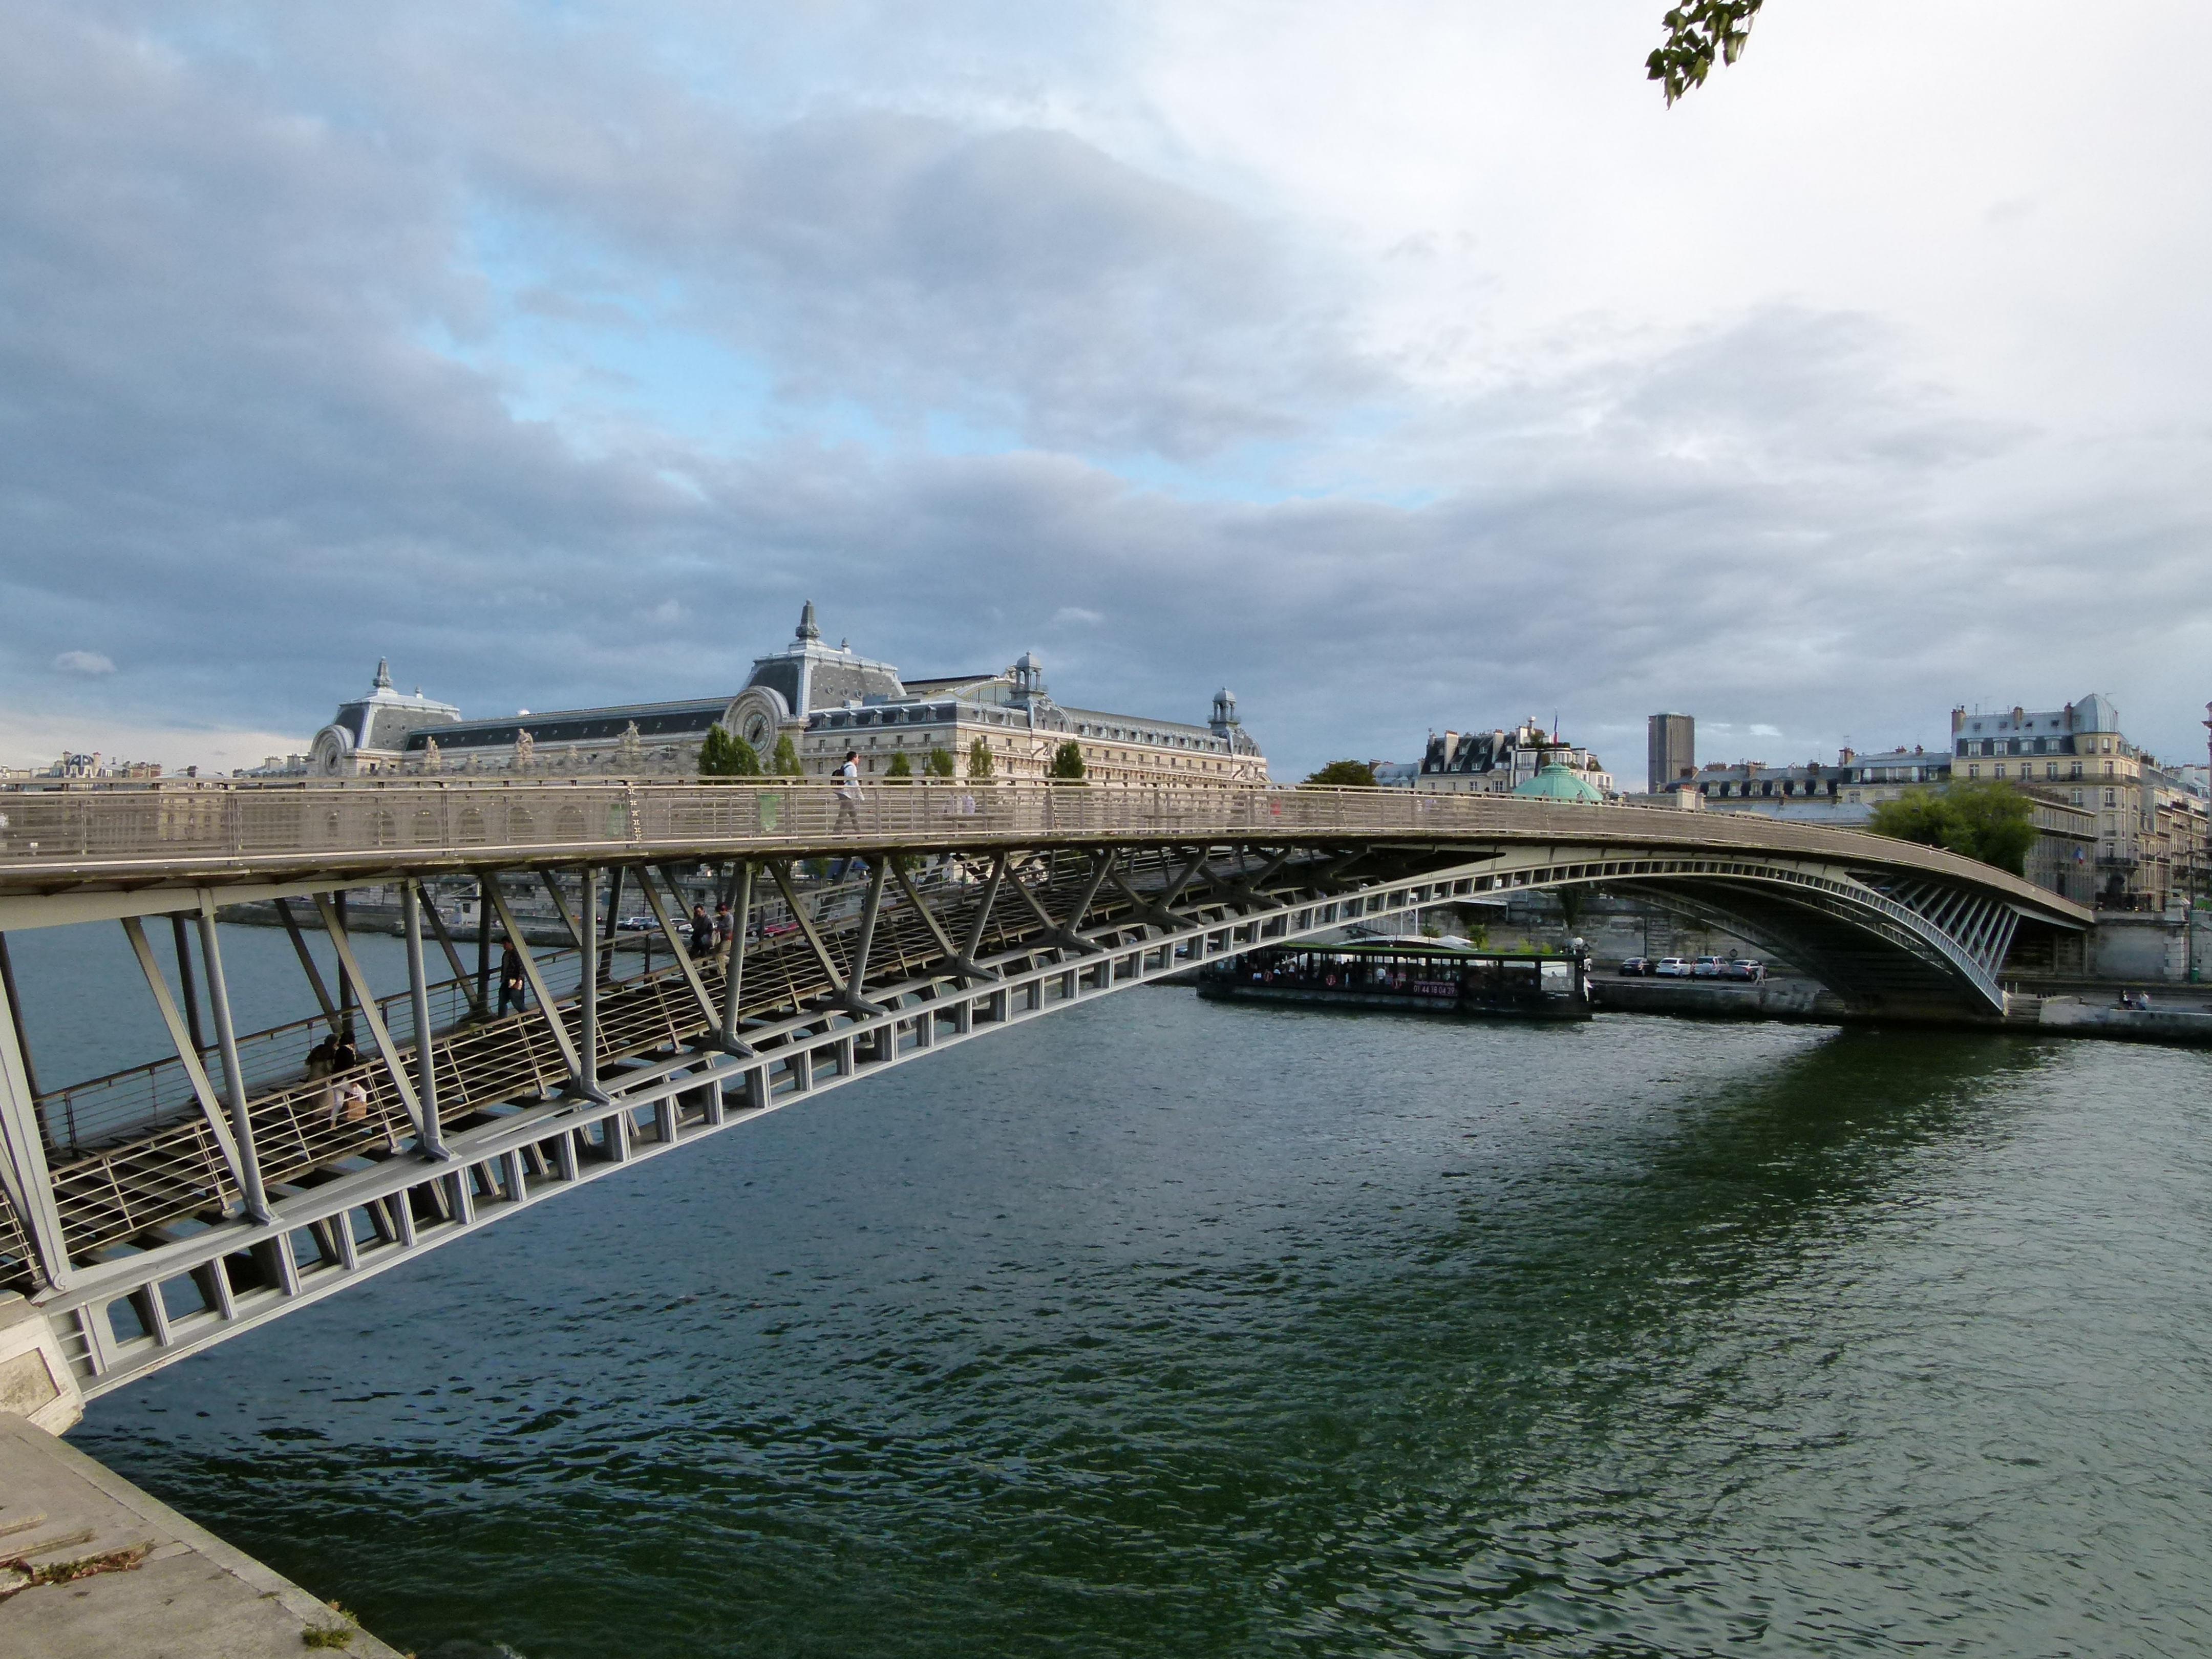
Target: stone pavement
(93, 1568)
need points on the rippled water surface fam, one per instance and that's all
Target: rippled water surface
(1163, 1328)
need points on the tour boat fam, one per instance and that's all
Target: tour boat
(1416, 975)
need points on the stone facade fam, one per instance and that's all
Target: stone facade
(825, 700)
(2151, 822)
(1013, 715)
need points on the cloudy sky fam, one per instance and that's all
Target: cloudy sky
(1403, 364)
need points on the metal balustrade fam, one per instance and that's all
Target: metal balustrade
(222, 831)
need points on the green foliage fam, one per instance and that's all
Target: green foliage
(1982, 818)
(726, 756)
(1342, 774)
(980, 765)
(1698, 35)
(1067, 763)
(786, 764)
(901, 770)
(941, 763)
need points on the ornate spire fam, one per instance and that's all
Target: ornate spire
(807, 630)
(383, 675)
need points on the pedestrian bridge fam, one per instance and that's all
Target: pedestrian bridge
(153, 1212)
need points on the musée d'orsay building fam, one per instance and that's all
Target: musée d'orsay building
(826, 699)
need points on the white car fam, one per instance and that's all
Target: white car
(1705, 967)
(1672, 968)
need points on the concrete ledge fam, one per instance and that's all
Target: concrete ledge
(135, 1579)
(2066, 1017)
(1773, 998)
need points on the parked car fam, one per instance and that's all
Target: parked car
(1705, 967)
(1743, 968)
(635, 925)
(1634, 966)
(1672, 968)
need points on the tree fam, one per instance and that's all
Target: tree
(787, 758)
(1067, 763)
(723, 755)
(1918, 815)
(901, 770)
(1698, 35)
(1342, 774)
(979, 766)
(1982, 818)
(940, 763)
(1993, 822)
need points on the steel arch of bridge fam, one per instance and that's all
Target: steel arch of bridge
(237, 1209)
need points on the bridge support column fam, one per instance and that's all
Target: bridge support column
(967, 956)
(853, 1002)
(429, 1131)
(677, 943)
(961, 963)
(395, 1067)
(452, 956)
(188, 1053)
(733, 964)
(587, 1042)
(555, 1026)
(307, 964)
(23, 1173)
(234, 1075)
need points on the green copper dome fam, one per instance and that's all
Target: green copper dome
(1558, 781)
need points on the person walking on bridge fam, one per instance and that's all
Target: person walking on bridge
(848, 807)
(702, 933)
(849, 794)
(514, 985)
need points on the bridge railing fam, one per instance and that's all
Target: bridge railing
(426, 821)
(247, 821)
(95, 1111)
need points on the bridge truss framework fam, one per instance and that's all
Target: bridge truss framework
(241, 1205)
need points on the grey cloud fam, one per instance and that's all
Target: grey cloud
(229, 462)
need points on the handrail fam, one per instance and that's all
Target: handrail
(93, 1111)
(234, 830)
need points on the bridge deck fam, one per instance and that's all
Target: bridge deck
(117, 838)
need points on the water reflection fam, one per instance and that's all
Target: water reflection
(1160, 1327)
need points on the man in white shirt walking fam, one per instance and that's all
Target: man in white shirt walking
(849, 794)
(848, 807)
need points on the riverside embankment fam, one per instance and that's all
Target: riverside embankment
(2078, 1011)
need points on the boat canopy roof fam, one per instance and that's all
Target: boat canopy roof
(1423, 949)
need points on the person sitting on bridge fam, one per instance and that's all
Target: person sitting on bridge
(514, 984)
(350, 1099)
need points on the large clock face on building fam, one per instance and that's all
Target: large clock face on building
(756, 715)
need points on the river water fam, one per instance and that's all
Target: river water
(1159, 1328)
